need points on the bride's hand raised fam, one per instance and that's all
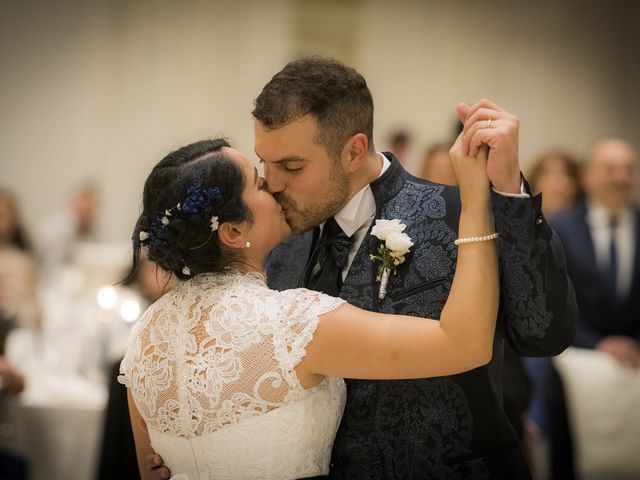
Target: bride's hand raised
(471, 173)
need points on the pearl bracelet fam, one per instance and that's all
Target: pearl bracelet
(485, 238)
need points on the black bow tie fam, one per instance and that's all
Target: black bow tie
(332, 254)
(334, 242)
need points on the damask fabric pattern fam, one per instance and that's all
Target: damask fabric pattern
(211, 369)
(531, 256)
(451, 427)
(410, 428)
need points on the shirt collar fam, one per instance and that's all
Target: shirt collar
(361, 207)
(598, 216)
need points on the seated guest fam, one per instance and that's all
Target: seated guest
(59, 234)
(18, 275)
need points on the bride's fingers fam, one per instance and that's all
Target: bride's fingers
(462, 109)
(456, 149)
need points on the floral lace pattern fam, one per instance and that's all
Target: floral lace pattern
(220, 349)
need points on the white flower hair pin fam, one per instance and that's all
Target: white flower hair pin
(395, 245)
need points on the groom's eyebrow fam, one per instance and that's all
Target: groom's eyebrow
(290, 158)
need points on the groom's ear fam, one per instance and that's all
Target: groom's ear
(231, 235)
(355, 152)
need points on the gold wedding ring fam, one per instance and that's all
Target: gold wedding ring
(489, 123)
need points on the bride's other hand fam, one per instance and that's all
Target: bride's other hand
(471, 173)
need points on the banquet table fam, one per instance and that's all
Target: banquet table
(56, 425)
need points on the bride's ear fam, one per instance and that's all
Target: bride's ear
(231, 235)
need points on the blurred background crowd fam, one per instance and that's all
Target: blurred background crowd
(95, 93)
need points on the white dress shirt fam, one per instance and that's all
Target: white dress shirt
(356, 216)
(598, 220)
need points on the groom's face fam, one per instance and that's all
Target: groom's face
(310, 185)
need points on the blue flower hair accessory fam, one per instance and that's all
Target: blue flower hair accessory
(198, 198)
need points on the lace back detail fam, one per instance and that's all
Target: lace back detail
(219, 349)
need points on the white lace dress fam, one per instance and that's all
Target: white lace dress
(210, 366)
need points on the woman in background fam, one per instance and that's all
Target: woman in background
(18, 273)
(556, 174)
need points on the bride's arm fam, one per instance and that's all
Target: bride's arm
(354, 343)
(141, 437)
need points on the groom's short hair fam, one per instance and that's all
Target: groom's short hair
(336, 95)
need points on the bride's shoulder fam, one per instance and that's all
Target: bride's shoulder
(309, 300)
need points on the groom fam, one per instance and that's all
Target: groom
(313, 132)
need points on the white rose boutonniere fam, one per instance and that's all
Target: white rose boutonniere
(395, 245)
(383, 228)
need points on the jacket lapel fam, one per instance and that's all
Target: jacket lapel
(360, 287)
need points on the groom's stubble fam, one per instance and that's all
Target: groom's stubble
(325, 204)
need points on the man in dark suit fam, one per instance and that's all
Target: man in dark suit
(601, 237)
(313, 132)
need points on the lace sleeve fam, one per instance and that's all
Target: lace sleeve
(124, 377)
(133, 346)
(299, 316)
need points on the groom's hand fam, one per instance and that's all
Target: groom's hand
(485, 123)
(158, 470)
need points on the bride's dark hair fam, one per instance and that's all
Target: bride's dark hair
(183, 193)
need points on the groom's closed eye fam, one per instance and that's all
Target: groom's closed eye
(293, 164)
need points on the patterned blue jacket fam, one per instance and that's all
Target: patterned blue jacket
(449, 427)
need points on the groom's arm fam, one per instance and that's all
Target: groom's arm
(538, 306)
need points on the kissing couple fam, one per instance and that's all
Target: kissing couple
(339, 317)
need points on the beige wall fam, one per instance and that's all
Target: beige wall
(103, 89)
(541, 60)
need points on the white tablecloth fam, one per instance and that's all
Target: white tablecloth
(57, 426)
(603, 401)
(57, 423)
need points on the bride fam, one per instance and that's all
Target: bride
(228, 379)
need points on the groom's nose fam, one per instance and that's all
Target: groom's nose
(275, 181)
